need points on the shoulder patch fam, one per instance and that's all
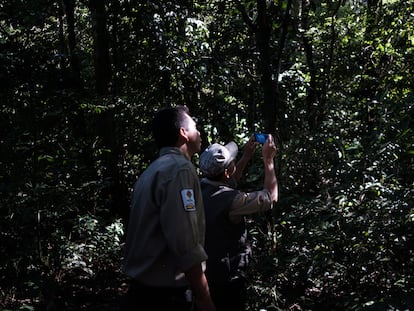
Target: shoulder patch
(188, 200)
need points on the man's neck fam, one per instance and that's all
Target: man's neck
(184, 149)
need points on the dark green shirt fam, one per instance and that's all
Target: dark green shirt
(166, 227)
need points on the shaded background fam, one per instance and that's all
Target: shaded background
(332, 80)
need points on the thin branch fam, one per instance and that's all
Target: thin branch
(246, 17)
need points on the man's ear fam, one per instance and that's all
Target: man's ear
(183, 133)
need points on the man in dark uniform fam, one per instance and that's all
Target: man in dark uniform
(227, 244)
(164, 250)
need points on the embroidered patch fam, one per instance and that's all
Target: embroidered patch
(188, 200)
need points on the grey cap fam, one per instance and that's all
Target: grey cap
(216, 158)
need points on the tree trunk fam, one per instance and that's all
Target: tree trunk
(319, 81)
(116, 191)
(369, 85)
(74, 74)
(263, 34)
(101, 47)
(312, 98)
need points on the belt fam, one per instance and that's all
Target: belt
(144, 289)
(157, 298)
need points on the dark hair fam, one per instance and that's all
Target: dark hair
(167, 123)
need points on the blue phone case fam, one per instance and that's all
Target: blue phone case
(260, 137)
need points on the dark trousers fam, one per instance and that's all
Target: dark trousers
(142, 298)
(229, 296)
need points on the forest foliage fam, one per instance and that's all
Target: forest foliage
(331, 80)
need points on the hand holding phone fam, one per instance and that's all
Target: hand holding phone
(260, 138)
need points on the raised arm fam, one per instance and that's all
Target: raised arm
(270, 180)
(248, 152)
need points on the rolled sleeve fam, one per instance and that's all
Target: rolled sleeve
(192, 257)
(246, 203)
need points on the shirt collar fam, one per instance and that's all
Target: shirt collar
(216, 183)
(171, 150)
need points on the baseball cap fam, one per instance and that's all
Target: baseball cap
(216, 158)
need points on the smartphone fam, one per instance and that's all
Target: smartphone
(260, 137)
